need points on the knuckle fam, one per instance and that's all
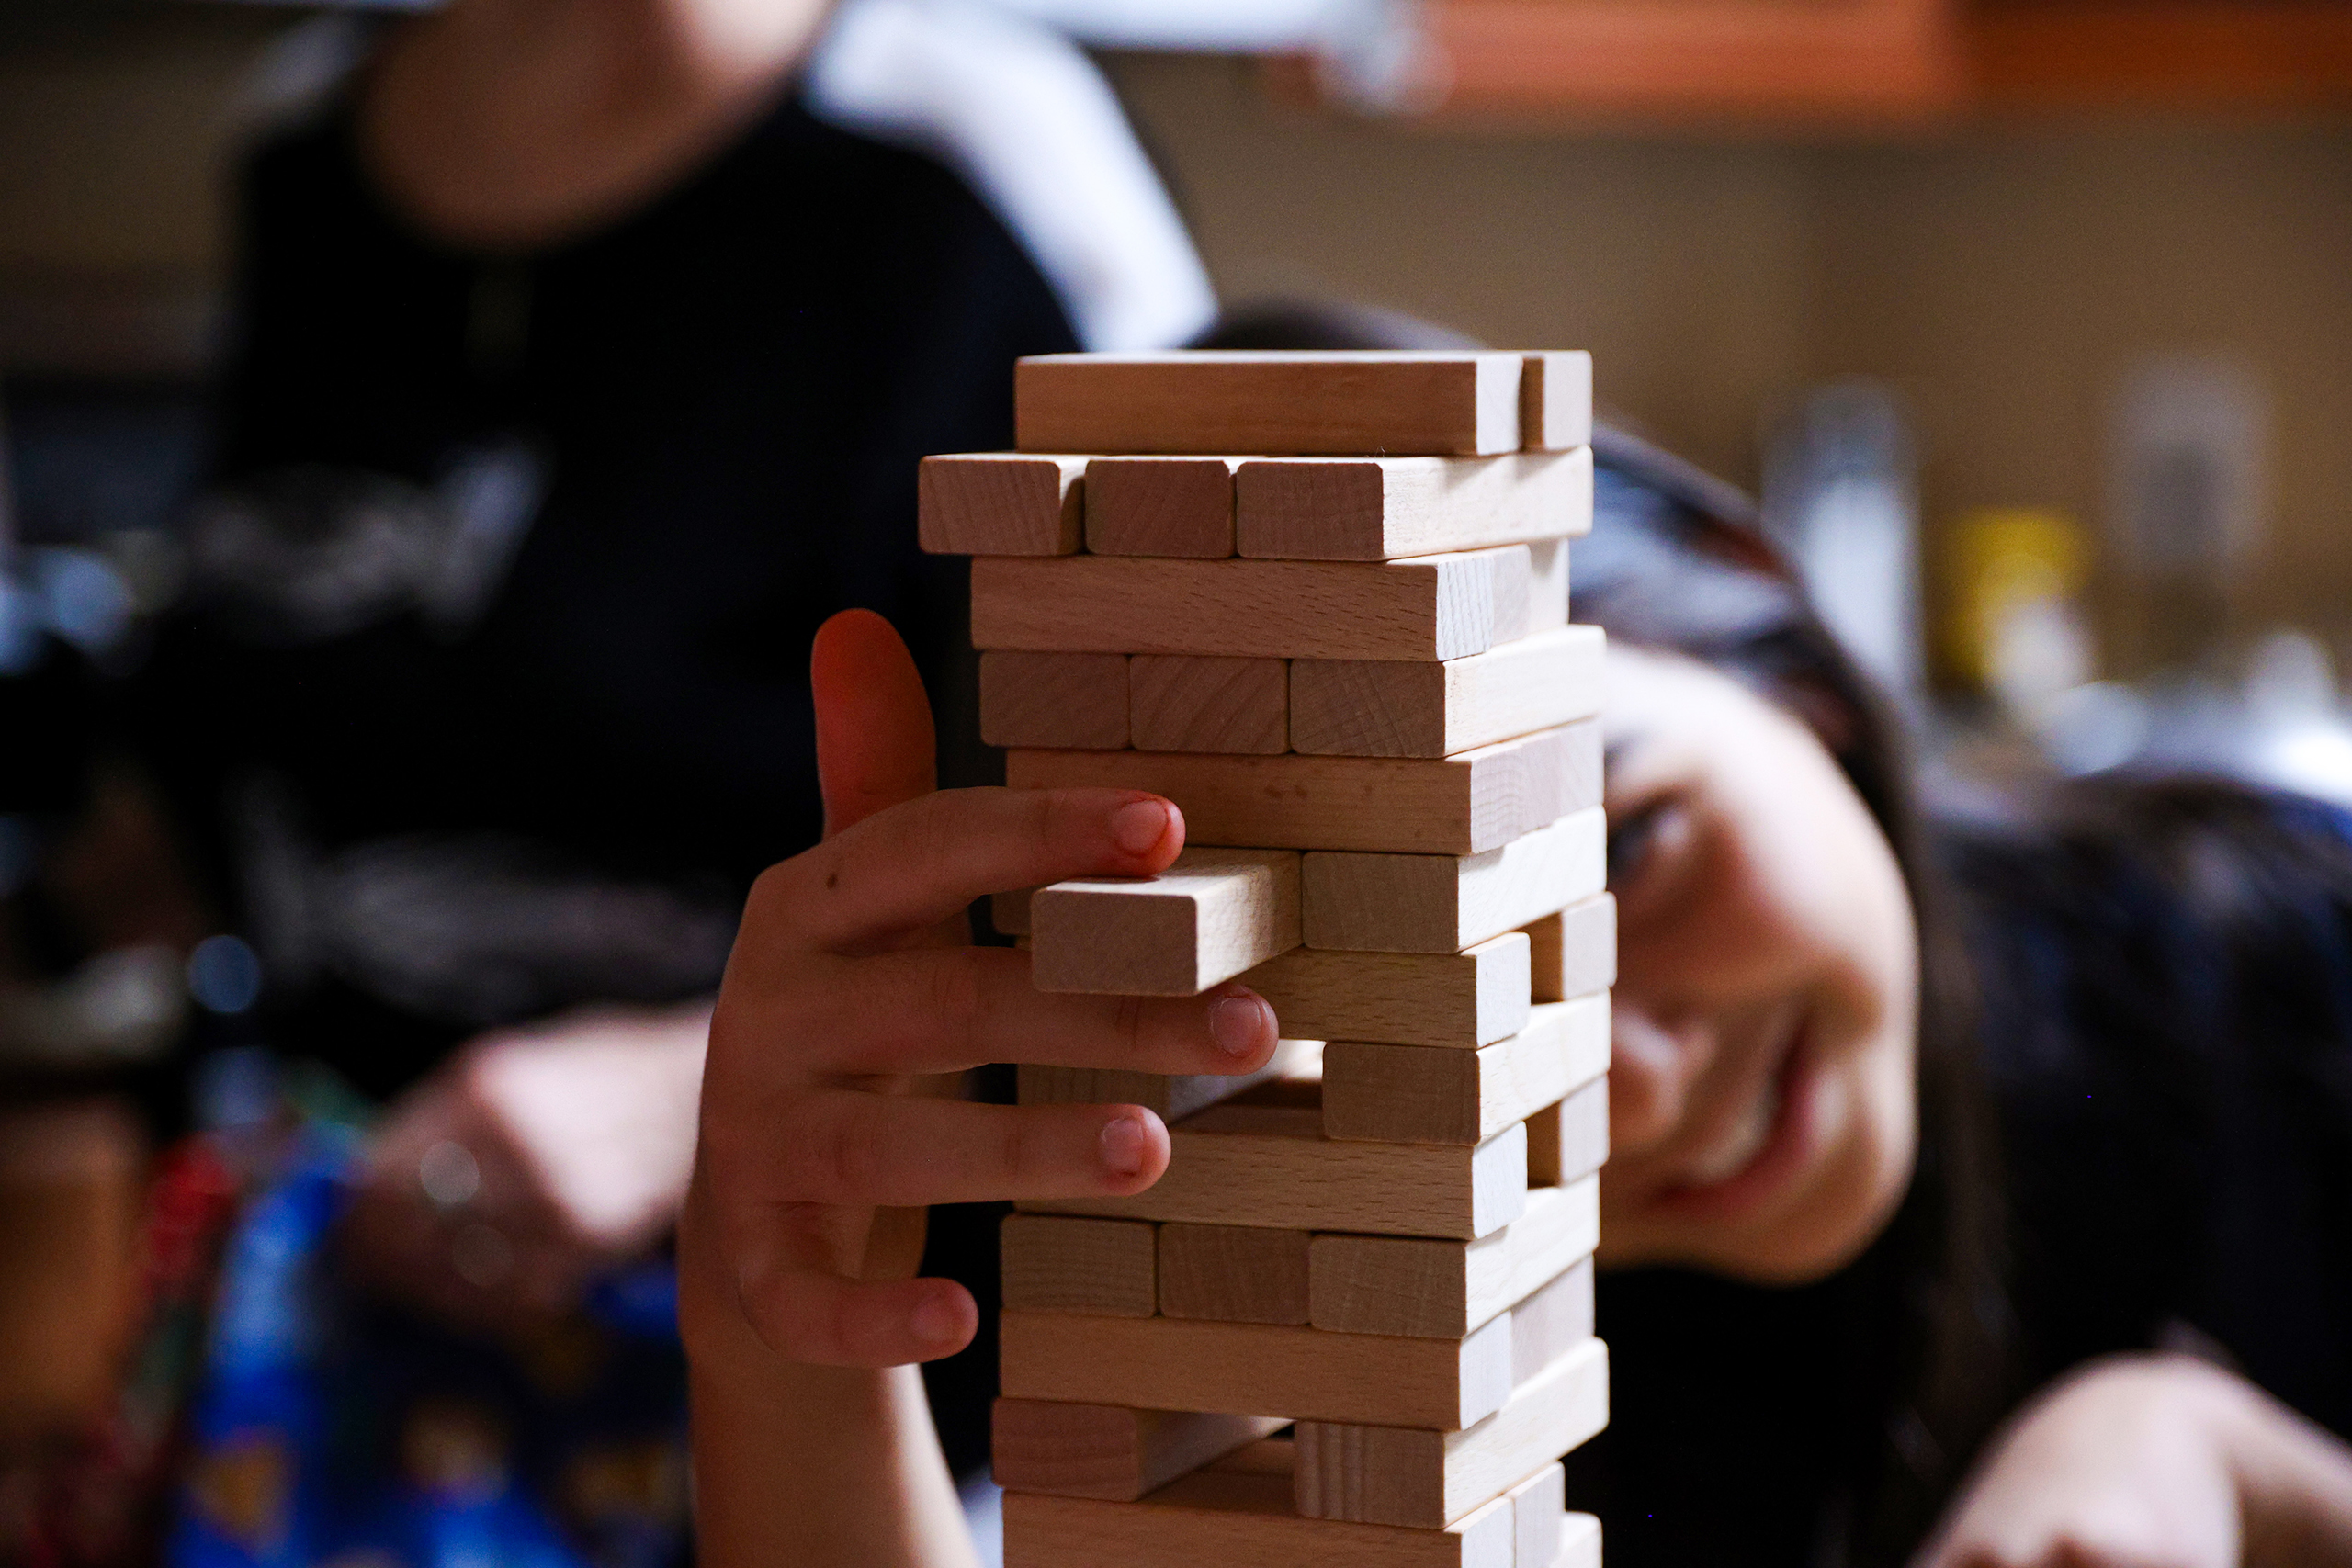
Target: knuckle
(952, 996)
(833, 1157)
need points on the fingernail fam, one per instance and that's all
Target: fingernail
(1236, 1022)
(1138, 825)
(934, 1319)
(1123, 1146)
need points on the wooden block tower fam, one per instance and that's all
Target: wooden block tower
(1320, 601)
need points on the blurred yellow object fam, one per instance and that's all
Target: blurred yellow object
(2001, 565)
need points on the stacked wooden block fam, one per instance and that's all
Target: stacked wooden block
(1320, 601)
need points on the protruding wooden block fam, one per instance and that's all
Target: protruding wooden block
(1000, 503)
(1422, 903)
(1547, 590)
(1255, 1164)
(1555, 400)
(1442, 1290)
(1466, 804)
(1539, 1516)
(1462, 1000)
(1233, 1273)
(1191, 702)
(1160, 506)
(1439, 404)
(1570, 1141)
(1445, 607)
(1054, 699)
(1172, 1096)
(1257, 1369)
(1207, 917)
(1385, 508)
(1428, 1094)
(1361, 707)
(1059, 1263)
(1574, 953)
(1580, 1542)
(1423, 1479)
(1236, 1513)
(1109, 1451)
(1551, 1321)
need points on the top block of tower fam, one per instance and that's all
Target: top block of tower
(1335, 403)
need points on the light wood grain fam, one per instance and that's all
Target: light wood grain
(1574, 953)
(1233, 1273)
(1160, 506)
(1551, 1321)
(1428, 1094)
(1570, 1141)
(1000, 503)
(1462, 1000)
(1172, 1096)
(1057, 1263)
(1236, 1513)
(1423, 1479)
(1555, 400)
(1191, 702)
(1432, 607)
(1547, 592)
(1363, 707)
(1580, 1542)
(1257, 1369)
(1109, 1451)
(1054, 699)
(1539, 1516)
(1281, 1172)
(1385, 508)
(1424, 903)
(1212, 914)
(1465, 805)
(1439, 403)
(1442, 1290)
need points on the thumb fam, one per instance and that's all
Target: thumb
(875, 746)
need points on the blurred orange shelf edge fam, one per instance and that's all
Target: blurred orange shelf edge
(1879, 61)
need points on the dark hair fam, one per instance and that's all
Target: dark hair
(1676, 562)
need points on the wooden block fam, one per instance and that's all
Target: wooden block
(1466, 805)
(1257, 1369)
(1462, 1000)
(1552, 1321)
(1000, 503)
(1009, 912)
(1547, 565)
(1442, 1290)
(1055, 1263)
(1193, 703)
(1054, 699)
(1161, 506)
(1428, 1094)
(1236, 1513)
(1390, 401)
(1423, 1479)
(1421, 903)
(1233, 1273)
(1539, 1508)
(1249, 1166)
(1573, 951)
(1363, 707)
(1173, 1097)
(1108, 1451)
(1385, 508)
(1556, 402)
(1580, 1541)
(1570, 1140)
(1434, 607)
(1212, 914)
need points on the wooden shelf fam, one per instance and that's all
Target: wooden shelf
(1878, 62)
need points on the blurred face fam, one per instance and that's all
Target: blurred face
(1762, 1115)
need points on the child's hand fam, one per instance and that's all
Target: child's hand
(852, 977)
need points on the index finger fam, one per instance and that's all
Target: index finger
(916, 864)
